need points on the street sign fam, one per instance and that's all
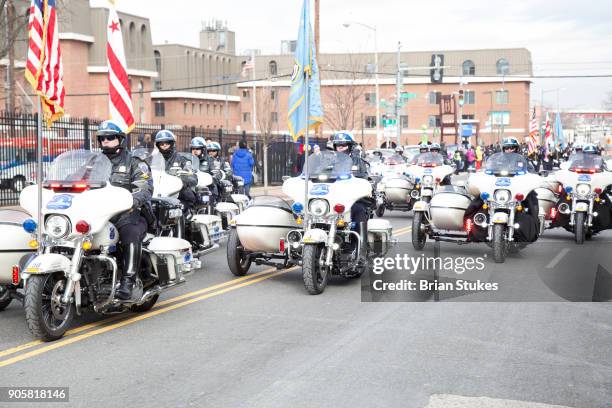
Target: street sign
(467, 130)
(389, 122)
(408, 95)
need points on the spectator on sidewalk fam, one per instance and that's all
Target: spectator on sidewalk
(479, 157)
(242, 165)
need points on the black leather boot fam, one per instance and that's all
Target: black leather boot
(131, 265)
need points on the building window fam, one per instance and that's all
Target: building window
(201, 108)
(273, 94)
(370, 98)
(273, 68)
(184, 108)
(143, 39)
(467, 117)
(160, 109)
(501, 97)
(434, 98)
(469, 97)
(245, 94)
(246, 117)
(434, 121)
(469, 69)
(503, 67)
(498, 118)
(132, 38)
(370, 69)
(192, 109)
(370, 122)
(404, 121)
(208, 108)
(274, 117)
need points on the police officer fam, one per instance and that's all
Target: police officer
(134, 175)
(344, 143)
(198, 148)
(179, 165)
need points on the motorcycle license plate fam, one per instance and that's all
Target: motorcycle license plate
(582, 207)
(500, 218)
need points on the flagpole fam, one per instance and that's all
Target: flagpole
(306, 173)
(254, 99)
(39, 158)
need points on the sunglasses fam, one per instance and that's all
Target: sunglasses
(110, 138)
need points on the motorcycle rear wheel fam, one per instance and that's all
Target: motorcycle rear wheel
(5, 298)
(146, 306)
(418, 236)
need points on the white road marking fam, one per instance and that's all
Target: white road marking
(557, 258)
(458, 401)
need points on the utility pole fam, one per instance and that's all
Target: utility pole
(398, 95)
(317, 40)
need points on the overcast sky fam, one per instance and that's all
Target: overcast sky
(564, 36)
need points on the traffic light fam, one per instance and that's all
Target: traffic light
(437, 72)
(460, 98)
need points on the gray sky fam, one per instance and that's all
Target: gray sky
(564, 36)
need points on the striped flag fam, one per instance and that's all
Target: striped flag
(44, 69)
(547, 134)
(120, 95)
(249, 65)
(533, 133)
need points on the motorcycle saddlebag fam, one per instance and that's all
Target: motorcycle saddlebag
(261, 226)
(448, 207)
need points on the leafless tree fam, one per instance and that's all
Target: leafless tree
(344, 101)
(267, 117)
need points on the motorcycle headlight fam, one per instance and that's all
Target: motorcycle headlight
(318, 207)
(57, 226)
(502, 196)
(428, 179)
(583, 189)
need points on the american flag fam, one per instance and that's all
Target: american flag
(44, 69)
(533, 132)
(120, 95)
(249, 65)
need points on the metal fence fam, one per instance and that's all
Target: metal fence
(18, 145)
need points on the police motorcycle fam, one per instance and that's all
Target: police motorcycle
(77, 266)
(203, 231)
(505, 210)
(584, 204)
(230, 201)
(329, 244)
(395, 188)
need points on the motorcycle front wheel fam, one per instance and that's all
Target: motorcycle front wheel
(315, 275)
(237, 260)
(418, 236)
(380, 211)
(499, 243)
(47, 318)
(579, 228)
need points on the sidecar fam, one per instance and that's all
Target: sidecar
(547, 200)
(14, 253)
(266, 233)
(398, 193)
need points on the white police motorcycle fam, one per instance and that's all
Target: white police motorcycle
(502, 216)
(584, 207)
(329, 245)
(76, 268)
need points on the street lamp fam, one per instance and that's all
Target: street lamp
(372, 28)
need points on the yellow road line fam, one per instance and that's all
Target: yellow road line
(134, 319)
(92, 325)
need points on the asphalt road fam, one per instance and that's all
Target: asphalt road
(262, 341)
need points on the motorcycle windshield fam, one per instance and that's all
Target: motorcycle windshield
(586, 162)
(428, 160)
(395, 159)
(329, 165)
(83, 167)
(506, 164)
(195, 162)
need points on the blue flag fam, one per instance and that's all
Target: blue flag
(559, 131)
(305, 78)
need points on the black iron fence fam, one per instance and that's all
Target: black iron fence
(18, 146)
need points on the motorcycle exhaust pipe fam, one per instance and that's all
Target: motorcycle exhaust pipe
(564, 208)
(480, 219)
